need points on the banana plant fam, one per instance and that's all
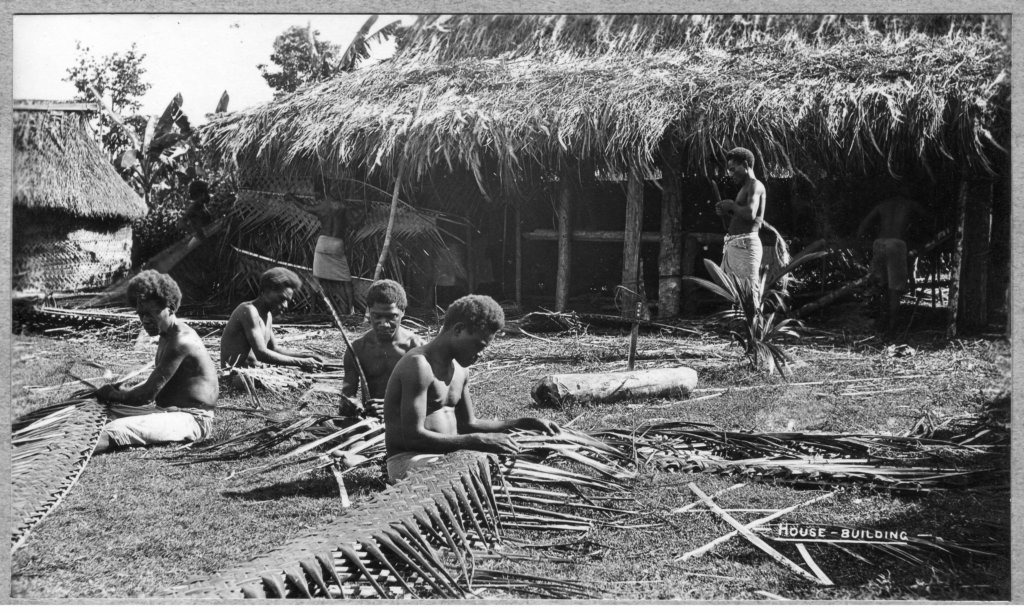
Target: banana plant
(159, 154)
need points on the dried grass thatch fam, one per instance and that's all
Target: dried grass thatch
(58, 166)
(503, 98)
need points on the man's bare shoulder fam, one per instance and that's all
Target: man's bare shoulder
(413, 365)
(185, 339)
(409, 339)
(244, 311)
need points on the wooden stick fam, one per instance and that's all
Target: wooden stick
(758, 522)
(394, 199)
(717, 494)
(753, 538)
(631, 361)
(365, 395)
(812, 565)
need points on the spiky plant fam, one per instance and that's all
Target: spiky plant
(758, 324)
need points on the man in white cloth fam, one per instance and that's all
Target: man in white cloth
(741, 254)
(889, 251)
(174, 405)
(427, 408)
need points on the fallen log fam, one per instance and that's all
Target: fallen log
(556, 390)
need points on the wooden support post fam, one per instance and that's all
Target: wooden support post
(671, 248)
(691, 251)
(469, 260)
(631, 359)
(957, 265)
(999, 271)
(973, 307)
(631, 242)
(563, 211)
(519, 255)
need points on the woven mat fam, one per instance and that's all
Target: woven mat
(50, 448)
(409, 540)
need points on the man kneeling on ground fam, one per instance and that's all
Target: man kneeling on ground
(248, 337)
(183, 383)
(379, 350)
(427, 406)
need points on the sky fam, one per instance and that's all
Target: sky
(198, 55)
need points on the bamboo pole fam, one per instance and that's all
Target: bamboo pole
(394, 195)
(363, 385)
(753, 538)
(671, 236)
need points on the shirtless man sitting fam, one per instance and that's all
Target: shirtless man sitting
(889, 251)
(741, 254)
(248, 337)
(184, 379)
(427, 405)
(379, 350)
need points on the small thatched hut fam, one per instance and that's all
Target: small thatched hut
(72, 212)
(538, 112)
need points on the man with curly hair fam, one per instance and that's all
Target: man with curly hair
(248, 337)
(183, 384)
(427, 405)
(741, 254)
(380, 349)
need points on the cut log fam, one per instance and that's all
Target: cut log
(556, 390)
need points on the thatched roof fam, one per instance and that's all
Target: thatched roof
(838, 98)
(59, 166)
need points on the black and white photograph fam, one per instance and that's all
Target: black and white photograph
(512, 305)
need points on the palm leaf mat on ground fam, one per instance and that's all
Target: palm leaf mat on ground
(419, 537)
(51, 447)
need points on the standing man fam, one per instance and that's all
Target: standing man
(741, 254)
(889, 251)
(248, 337)
(330, 265)
(380, 349)
(427, 408)
(183, 384)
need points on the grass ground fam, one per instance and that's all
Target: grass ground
(139, 522)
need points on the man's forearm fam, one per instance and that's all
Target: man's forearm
(270, 356)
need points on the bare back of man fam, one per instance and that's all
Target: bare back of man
(894, 216)
(235, 347)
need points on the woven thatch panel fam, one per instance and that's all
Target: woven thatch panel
(48, 258)
(59, 166)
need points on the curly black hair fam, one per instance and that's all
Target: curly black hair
(477, 312)
(741, 155)
(154, 286)
(387, 291)
(279, 278)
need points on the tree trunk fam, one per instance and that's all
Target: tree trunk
(563, 212)
(671, 250)
(973, 307)
(631, 242)
(556, 390)
(957, 266)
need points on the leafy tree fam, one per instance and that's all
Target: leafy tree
(303, 59)
(119, 77)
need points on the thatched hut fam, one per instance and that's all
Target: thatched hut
(72, 212)
(534, 110)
